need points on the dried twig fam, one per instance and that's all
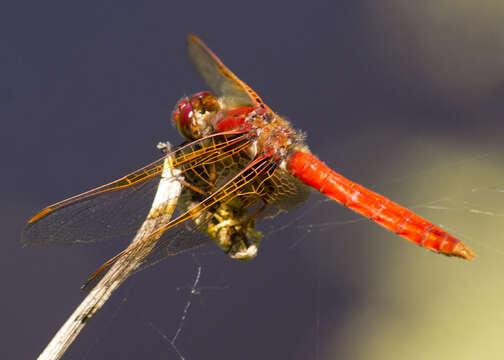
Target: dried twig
(161, 211)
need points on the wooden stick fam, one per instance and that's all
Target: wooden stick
(162, 208)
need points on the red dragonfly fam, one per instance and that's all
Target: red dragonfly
(241, 163)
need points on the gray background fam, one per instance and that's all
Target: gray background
(404, 97)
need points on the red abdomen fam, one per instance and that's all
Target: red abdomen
(376, 207)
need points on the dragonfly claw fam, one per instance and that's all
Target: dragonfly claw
(164, 147)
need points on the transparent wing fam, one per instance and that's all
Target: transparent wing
(170, 242)
(259, 181)
(219, 78)
(119, 208)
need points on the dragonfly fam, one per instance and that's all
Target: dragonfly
(240, 163)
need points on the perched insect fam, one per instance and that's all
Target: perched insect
(241, 163)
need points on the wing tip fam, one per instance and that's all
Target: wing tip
(40, 215)
(192, 38)
(26, 237)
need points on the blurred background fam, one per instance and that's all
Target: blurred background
(404, 97)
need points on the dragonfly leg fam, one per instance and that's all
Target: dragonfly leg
(249, 251)
(233, 231)
(192, 187)
(164, 147)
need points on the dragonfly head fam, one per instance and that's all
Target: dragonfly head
(192, 115)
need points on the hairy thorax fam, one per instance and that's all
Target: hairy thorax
(203, 114)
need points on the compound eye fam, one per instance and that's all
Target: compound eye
(183, 117)
(194, 116)
(178, 119)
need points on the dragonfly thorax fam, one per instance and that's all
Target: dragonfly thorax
(203, 114)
